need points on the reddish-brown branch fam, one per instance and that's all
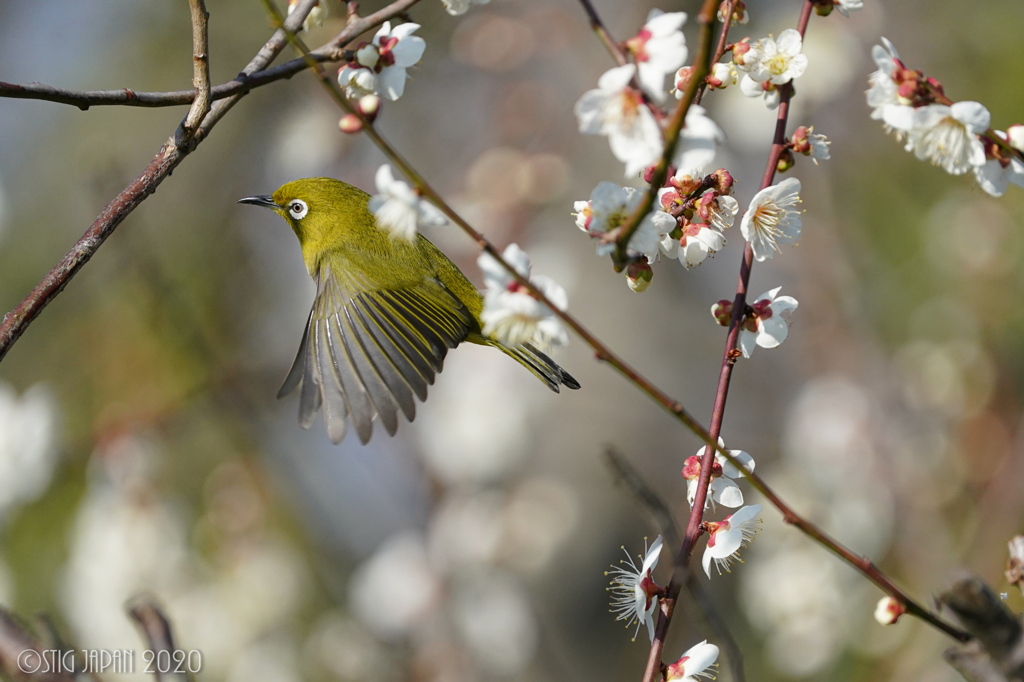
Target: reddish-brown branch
(673, 131)
(167, 159)
(694, 524)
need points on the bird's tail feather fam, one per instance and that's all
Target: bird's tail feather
(539, 364)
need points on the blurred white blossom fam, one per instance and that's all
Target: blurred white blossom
(28, 450)
(511, 314)
(395, 589)
(617, 110)
(399, 209)
(846, 6)
(659, 50)
(457, 7)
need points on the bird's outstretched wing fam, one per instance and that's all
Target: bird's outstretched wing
(366, 352)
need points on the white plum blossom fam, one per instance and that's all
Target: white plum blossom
(946, 135)
(617, 110)
(996, 174)
(697, 243)
(380, 66)
(723, 74)
(693, 664)
(776, 61)
(883, 95)
(768, 324)
(819, 146)
(511, 314)
(752, 88)
(727, 537)
(634, 592)
(723, 489)
(770, 220)
(659, 50)
(457, 7)
(609, 207)
(889, 610)
(698, 140)
(399, 209)
(846, 6)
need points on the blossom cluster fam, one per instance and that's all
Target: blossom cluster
(956, 136)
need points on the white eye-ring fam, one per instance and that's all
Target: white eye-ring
(298, 209)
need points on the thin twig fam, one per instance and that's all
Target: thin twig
(156, 628)
(83, 99)
(167, 159)
(673, 131)
(200, 74)
(602, 33)
(627, 474)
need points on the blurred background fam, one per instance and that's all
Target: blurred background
(142, 447)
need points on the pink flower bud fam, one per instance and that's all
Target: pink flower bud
(723, 182)
(639, 276)
(350, 123)
(681, 79)
(739, 51)
(800, 143)
(786, 161)
(889, 610)
(722, 312)
(369, 106)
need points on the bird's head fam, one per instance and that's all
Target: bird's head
(324, 213)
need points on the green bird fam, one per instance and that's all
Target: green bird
(386, 312)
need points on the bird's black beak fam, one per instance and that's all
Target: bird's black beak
(265, 201)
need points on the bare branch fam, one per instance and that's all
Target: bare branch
(21, 653)
(200, 73)
(156, 629)
(1015, 563)
(167, 159)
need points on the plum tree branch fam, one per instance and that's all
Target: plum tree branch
(332, 51)
(603, 353)
(200, 73)
(166, 160)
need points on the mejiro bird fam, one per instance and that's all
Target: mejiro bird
(386, 312)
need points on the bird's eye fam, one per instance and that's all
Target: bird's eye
(298, 209)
